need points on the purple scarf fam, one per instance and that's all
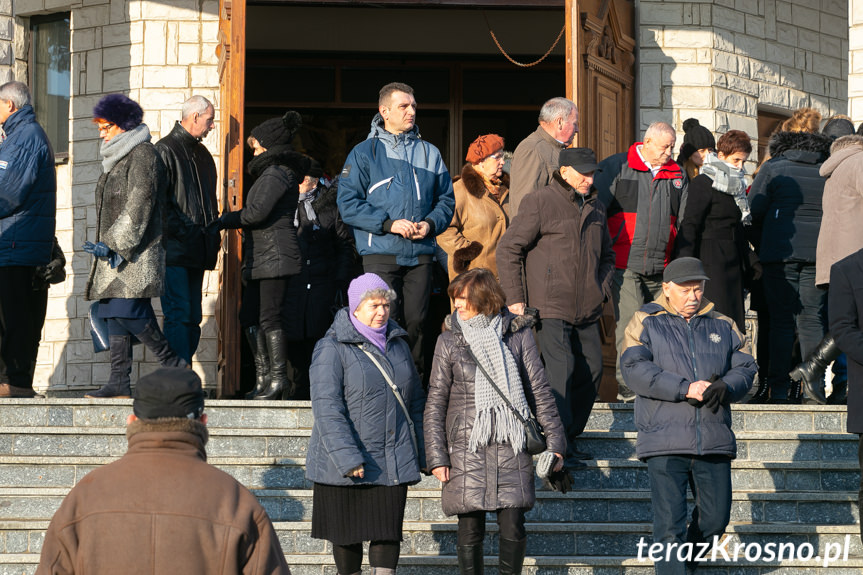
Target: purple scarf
(377, 336)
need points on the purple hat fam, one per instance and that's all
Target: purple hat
(361, 285)
(120, 110)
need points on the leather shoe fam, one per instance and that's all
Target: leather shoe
(7, 390)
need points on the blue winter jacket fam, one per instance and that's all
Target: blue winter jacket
(664, 354)
(28, 192)
(357, 419)
(392, 177)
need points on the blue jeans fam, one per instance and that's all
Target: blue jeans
(709, 478)
(798, 308)
(181, 304)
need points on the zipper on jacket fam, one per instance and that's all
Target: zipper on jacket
(416, 182)
(695, 371)
(388, 181)
(370, 239)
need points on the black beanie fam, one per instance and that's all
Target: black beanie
(697, 136)
(278, 131)
(315, 169)
(169, 392)
(838, 127)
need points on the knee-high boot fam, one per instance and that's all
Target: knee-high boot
(511, 556)
(154, 339)
(119, 382)
(811, 372)
(258, 344)
(277, 350)
(470, 559)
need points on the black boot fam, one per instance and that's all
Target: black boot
(811, 372)
(470, 559)
(154, 339)
(839, 395)
(277, 350)
(258, 344)
(119, 382)
(511, 556)
(762, 394)
(795, 393)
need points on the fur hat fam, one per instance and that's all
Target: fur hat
(120, 110)
(278, 131)
(483, 147)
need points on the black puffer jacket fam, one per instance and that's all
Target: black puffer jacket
(494, 477)
(786, 198)
(270, 247)
(191, 201)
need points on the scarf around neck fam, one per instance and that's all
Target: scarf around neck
(376, 335)
(120, 145)
(494, 421)
(305, 201)
(728, 180)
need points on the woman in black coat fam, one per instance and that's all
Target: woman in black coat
(712, 227)
(271, 253)
(474, 443)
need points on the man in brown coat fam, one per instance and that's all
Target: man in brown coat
(161, 509)
(560, 240)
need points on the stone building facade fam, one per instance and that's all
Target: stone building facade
(721, 61)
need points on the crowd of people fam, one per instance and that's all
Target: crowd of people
(533, 255)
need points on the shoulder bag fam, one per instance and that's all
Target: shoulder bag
(398, 395)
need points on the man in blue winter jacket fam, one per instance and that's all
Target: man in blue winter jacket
(28, 201)
(396, 193)
(686, 364)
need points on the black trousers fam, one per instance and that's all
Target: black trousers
(471, 526)
(22, 313)
(412, 285)
(272, 294)
(572, 355)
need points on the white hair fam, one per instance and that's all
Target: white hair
(196, 105)
(15, 92)
(556, 108)
(657, 128)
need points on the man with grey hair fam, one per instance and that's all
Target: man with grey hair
(644, 192)
(28, 201)
(190, 247)
(535, 158)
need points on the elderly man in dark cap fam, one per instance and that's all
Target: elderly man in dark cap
(559, 243)
(161, 508)
(686, 364)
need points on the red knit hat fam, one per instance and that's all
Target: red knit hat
(483, 147)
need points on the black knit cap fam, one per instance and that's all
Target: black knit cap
(695, 137)
(684, 270)
(120, 110)
(169, 392)
(315, 169)
(278, 131)
(582, 160)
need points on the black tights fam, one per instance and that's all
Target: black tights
(349, 558)
(471, 526)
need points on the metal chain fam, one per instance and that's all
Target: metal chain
(508, 57)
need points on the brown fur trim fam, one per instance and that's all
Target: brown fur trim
(463, 256)
(475, 184)
(168, 424)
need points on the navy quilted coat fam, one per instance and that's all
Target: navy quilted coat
(664, 354)
(357, 417)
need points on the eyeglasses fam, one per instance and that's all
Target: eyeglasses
(105, 127)
(498, 156)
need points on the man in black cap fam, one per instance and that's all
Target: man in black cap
(161, 508)
(559, 244)
(686, 364)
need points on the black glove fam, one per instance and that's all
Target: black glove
(715, 395)
(559, 480)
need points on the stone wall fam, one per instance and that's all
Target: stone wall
(720, 60)
(159, 53)
(855, 72)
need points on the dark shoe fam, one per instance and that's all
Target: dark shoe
(511, 556)
(108, 392)
(839, 395)
(258, 343)
(579, 455)
(795, 393)
(277, 351)
(7, 390)
(761, 395)
(119, 382)
(811, 372)
(155, 340)
(624, 394)
(470, 559)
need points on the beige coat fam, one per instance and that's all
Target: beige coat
(479, 222)
(841, 233)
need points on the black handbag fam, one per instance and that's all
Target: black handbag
(535, 438)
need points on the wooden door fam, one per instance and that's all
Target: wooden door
(600, 78)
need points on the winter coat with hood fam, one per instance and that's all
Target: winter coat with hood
(845, 309)
(841, 232)
(478, 224)
(564, 243)
(663, 354)
(785, 198)
(493, 477)
(28, 192)
(328, 256)
(270, 246)
(357, 418)
(162, 509)
(392, 177)
(129, 202)
(191, 203)
(643, 209)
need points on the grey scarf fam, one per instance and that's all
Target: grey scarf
(116, 149)
(494, 419)
(728, 180)
(305, 201)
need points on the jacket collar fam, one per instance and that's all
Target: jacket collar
(23, 115)
(183, 136)
(511, 323)
(565, 189)
(345, 332)
(475, 184)
(662, 303)
(818, 145)
(548, 138)
(182, 436)
(667, 171)
(378, 131)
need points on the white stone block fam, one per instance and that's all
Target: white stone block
(744, 85)
(58, 5)
(814, 84)
(832, 46)
(651, 37)
(28, 7)
(797, 99)
(188, 54)
(163, 99)
(650, 77)
(190, 32)
(808, 39)
(725, 62)
(750, 7)
(173, 40)
(86, 173)
(834, 25)
(205, 77)
(65, 219)
(663, 13)
(765, 72)
(166, 77)
(686, 75)
(720, 79)
(155, 43)
(805, 17)
(856, 9)
(687, 38)
(94, 72)
(80, 352)
(729, 19)
(210, 9)
(208, 53)
(689, 97)
(118, 12)
(755, 26)
(170, 9)
(116, 57)
(773, 96)
(210, 32)
(827, 65)
(90, 16)
(723, 39)
(750, 46)
(791, 77)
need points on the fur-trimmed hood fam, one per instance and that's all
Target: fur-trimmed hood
(171, 425)
(511, 322)
(782, 142)
(280, 156)
(839, 156)
(475, 184)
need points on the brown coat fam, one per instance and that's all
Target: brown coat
(565, 251)
(161, 509)
(841, 233)
(477, 225)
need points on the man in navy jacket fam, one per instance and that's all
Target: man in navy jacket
(686, 364)
(28, 201)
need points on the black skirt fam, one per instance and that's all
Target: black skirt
(345, 515)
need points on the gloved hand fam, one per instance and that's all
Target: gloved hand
(214, 227)
(98, 249)
(115, 259)
(559, 480)
(715, 395)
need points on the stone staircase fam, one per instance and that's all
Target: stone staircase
(795, 481)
